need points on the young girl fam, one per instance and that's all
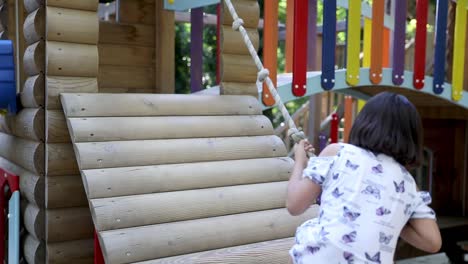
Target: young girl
(368, 198)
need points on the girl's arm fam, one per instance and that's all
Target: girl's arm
(423, 234)
(303, 192)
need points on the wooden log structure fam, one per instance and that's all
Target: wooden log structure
(75, 251)
(32, 95)
(237, 65)
(27, 124)
(34, 250)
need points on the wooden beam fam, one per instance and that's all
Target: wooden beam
(33, 218)
(61, 159)
(90, 5)
(127, 34)
(68, 224)
(32, 5)
(65, 191)
(165, 53)
(34, 26)
(27, 124)
(72, 60)
(25, 153)
(127, 55)
(32, 95)
(234, 43)
(57, 131)
(64, 84)
(74, 26)
(34, 59)
(76, 251)
(137, 12)
(33, 250)
(129, 77)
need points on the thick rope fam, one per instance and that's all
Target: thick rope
(263, 75)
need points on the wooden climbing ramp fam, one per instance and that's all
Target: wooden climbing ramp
(183, 178)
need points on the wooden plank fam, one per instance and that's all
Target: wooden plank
(31, 5)
(65, 191)
(90, 5)
(141, 128)
(58, 84)
(34, 59)
(70, 59)
(113, 213)
(70, 25)
(25, 153)
(136, 12)
(155, 152)
(101, 183)
(233, 88)
(248, 10)
(33, 219)
(68, 224)
(27, 124)
(443, 112)
(57, 131)
(76, 251)
(198, 235)
(34, 26)
(234, 43)
(238, 68)
(164, 48)
(84, 105)
(124, 55)
(129, 77)
(126, 34)
(269, 252)
(33, 250)
(31, 185)
(60, 159)
(32, 94)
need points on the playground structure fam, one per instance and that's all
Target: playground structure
(196, 178)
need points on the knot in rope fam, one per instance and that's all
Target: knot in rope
(237, 23)
(263, 74)
(296, 135)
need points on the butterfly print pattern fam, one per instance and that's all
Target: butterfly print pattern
(349, 238)
(313, 250)
(371, 190)
(399, 188)
(407, 209)
(382, 211)
(348, 214)
(349, 257)
(375, 258)
(377, 169)
(352, 166)
(336, 193)
(385, 239)
(335, 176)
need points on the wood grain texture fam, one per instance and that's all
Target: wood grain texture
(34, 26)
(68, 224)
(238, 68)
(90, 5)
(70, 59)
(122, 55)
(61, 159)
(155, 152)
(34, 59)
(71, 25)
(126, 34)
(34, 221)
(76, 251)
(57, 130)
(137, 12)
(83, 105)
(33, 250)
(27, 124)
(199, 235)
(25, 153)
(129, 77)
(141, 128)
(32, 95)
(234, 43)
(65, 191)
(164, 48)
(141, 210)
(269, 252)
(233, 88)
(248, 10)
(60, 84)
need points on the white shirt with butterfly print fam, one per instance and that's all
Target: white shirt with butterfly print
(366, 200)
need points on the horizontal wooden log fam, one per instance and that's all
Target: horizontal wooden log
(125, 90)
(154, 152)
(31, 185)
(140, 128)
(238, 68)
(57, 130)
(61, 159)
(76, 251)
(199, 235)
(70, 59)
(84, 105)
(138, 210)
(136, 12)
(25, 153)
(125, 55)
(248, 10)
(34, 26)
(27, 124)
(129, 77)
(33, 250)
(90, 5)
(32, 95)
(71, 25)
(65, 191)
(233, 43)
(34, 59)
(126, 34)
(68, 224)
(58, 84)
(268, 252)
(34, 221)
(234, 88)
(32, 5)
(101, 183)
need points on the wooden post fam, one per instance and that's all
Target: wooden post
(164, 46)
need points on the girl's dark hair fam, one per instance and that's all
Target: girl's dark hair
(391, 125)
